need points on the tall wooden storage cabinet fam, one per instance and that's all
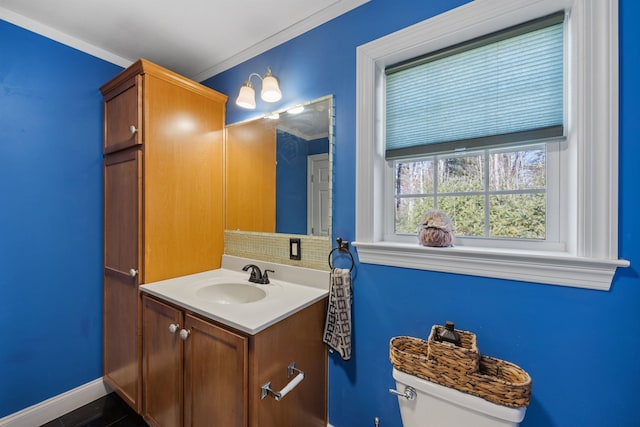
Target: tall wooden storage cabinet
(164, 204)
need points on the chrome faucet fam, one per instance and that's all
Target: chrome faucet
(256, 275)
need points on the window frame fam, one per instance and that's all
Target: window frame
(589, 185)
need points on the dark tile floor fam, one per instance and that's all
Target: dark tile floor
(108, 411)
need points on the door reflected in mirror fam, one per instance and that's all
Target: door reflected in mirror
(278, 171)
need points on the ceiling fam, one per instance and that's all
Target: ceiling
(196, 38)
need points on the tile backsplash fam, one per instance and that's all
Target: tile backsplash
(275, 248)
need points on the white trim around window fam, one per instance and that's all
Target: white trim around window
(591, 256)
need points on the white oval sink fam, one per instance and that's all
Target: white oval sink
(231, 293)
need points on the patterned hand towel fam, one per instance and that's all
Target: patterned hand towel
(337, 327)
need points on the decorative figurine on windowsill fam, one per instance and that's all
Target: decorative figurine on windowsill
(436, 229)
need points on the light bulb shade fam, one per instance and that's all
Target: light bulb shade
(270, 89)
(246, 97)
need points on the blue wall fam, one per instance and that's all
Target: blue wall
(50, 217)
(50, 239)
(319, 146)
(579, 345)
(291, 180)
(291, 183)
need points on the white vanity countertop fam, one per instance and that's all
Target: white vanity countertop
(291, 289)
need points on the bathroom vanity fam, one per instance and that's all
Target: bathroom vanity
(218, 349)
(196, 344)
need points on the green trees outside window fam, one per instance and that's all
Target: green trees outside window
(498, 193)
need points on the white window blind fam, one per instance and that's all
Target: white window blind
(507, 87)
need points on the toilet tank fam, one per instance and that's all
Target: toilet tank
(441, 406)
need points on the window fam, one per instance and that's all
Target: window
(577, 245)
(498, 193)
(502, 89)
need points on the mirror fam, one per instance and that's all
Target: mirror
(278, 171)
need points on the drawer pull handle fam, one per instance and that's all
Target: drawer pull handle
(184, 334)
(173, 327)
(266, 390)
(133, 129)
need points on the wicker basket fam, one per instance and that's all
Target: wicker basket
(496, 381)
(464, 358)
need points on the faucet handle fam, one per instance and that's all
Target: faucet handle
(256, 275)
(265, 276)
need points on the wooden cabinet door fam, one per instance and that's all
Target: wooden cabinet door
(298, 338)
(215, 376)
(162, 369)
(122, 206)
(123, 116)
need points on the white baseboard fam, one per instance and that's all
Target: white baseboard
(50, 409)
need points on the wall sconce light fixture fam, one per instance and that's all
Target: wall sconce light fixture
(270, 91)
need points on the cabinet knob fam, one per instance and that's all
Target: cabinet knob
(133, 129)
(133, 272)
(173, 328)
(184, 334)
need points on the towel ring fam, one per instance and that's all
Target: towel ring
(343, 246)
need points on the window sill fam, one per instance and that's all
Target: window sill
(549, 268)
